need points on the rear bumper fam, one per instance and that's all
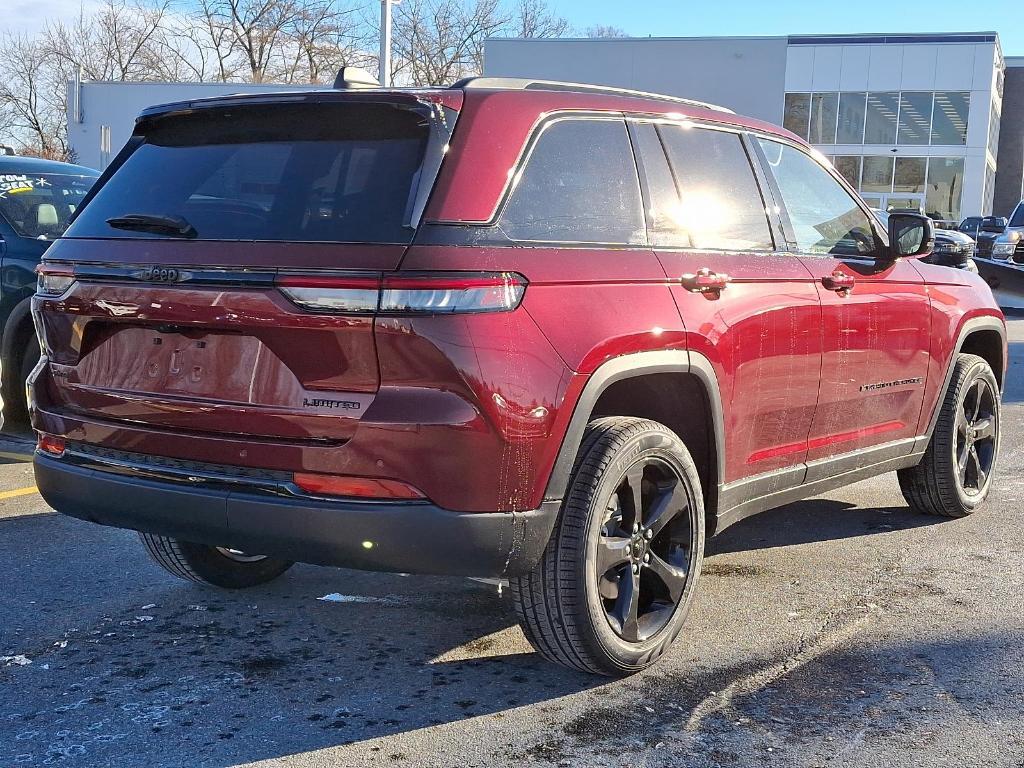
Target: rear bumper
(377, 536)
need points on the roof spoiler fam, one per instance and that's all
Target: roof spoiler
(354, 78)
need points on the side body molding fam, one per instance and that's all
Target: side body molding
(626, 367)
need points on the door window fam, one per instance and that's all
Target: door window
(825, 218)
(718, 204)
(579, 185)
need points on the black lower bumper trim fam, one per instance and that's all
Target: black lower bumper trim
(397, 537)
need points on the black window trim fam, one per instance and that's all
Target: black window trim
(787, 225)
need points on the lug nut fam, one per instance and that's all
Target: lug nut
(636, 527)
(647, 558)
(648, 534)
(636, 568)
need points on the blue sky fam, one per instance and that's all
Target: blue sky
(712, 17)
(755, 17)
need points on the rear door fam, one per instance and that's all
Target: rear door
(759, 326)
(210, 270)
(875, 314)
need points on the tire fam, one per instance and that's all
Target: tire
(955, 475)
(574, 606)
(15, 403)
(212, 566)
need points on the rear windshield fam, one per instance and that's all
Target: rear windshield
(38, 205)
(296, 172)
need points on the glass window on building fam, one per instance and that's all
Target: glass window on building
(797, 114)
(877, 176)
(851, 118)
(824, 112)
(993, 133)
(880, 126)
(949, 120)
(915, 118)
(849, 167)
(909, 175)
(944, 188)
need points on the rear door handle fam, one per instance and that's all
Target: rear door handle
(705, 281)
(840, 282)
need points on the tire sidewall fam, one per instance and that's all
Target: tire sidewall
(668, 448)
(978, 370)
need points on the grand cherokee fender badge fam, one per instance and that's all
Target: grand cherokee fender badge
(888, 384)
(347, 405)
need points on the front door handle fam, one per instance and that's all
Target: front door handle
(840, 282)
(705, 281)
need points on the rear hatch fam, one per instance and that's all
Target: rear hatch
(224, 278)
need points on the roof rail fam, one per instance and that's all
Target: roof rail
(525, 84)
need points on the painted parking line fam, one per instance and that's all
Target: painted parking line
(10, 455)
(18, 492)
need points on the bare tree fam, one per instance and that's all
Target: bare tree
(534, 18)
(604, 30)
(30, 98)
(439, 41)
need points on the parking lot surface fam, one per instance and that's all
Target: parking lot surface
(839, 631)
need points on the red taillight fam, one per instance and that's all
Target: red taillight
(358, 487)
(53, 279)
(408, 293)
(50, 444)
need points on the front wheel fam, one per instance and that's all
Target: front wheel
(212, 566)
(955, 475)
(614, 585)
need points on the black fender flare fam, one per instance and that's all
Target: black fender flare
(973, 325)
(630, 366)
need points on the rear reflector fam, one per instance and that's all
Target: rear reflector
(408, 293)
(53, 280)
(358, 487)
(49, 444)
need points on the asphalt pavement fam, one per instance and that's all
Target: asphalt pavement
(839, 631)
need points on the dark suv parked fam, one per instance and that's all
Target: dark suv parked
(545, 332)
(37, 198)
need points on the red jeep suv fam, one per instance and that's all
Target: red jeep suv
(544, 332)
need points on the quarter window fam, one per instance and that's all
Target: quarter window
(719, 204)
(825, 218)
(579, 185)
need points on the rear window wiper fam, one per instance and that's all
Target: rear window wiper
(175, 226)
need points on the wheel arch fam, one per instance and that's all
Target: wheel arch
(982, 336)
(19, 319)
(648, 385)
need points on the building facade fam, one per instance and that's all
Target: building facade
(1010, 176)
(913, 121)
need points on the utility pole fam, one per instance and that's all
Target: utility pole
(384, 73)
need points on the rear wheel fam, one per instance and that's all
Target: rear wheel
(214, 566)
(955, 475)
(616, 581)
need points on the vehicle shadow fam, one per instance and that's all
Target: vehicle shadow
(814, 520)
(126, 660)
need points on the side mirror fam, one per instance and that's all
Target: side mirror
(910, 234)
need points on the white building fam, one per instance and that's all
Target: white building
(911, 120)
(101, 115)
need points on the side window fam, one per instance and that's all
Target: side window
(825, 218)
(719, 204)
(580, 185)
(663, 202)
